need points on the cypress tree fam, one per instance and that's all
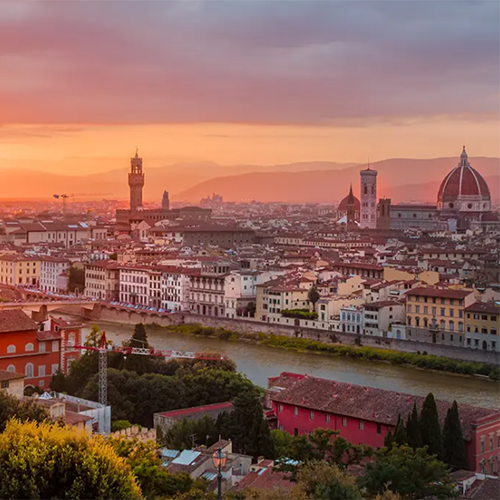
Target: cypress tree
(454, 453)
(413, 429)
(389, 440)
(400, 436)
(429, 427)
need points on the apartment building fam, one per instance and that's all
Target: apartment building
(135, 285)
(240, 288)
(482, 326)
(102, 280)
(54, 274)
(18, 269)
(378, 317)
(175, 287)
(437, 315)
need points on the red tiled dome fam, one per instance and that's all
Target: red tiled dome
(343, 204)
(463, 180)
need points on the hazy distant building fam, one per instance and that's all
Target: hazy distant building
(384, 214)
(368, 214)
(215, 201)
(128, 220)
(165, 201)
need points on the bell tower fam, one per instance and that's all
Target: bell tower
(136, 182)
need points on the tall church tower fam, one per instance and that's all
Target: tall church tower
(368, 199)
(135, 182)
(351, 211)
(165, 201)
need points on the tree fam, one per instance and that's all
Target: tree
(400, 436)
(430, 429)
(413, 474)
(247, 426)
(138, 362)
(320, 445)
(12, 407)
(154, 480)
(94, 337)
(250, 309)
(454, 452)
(120, 425)
(324, 481)
(389, 439)
(180, 436)
(44, 460)
(413, 429)
(313, 296)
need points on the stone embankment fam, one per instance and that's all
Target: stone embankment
(101, 312)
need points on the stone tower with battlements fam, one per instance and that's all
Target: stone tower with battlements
(136, 182)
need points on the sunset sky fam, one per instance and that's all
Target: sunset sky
(84, 82)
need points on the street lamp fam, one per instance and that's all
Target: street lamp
(219, 459)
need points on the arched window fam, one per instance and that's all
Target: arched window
(11, 368)
(373, 189)
(409, 321)
(28, 370)
(426, 322)
(11, 349)
(29, 347)
(417, 321)
(443, 324)
(460, 326)
(452, 325)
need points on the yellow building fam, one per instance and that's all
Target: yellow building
(275, 295)
(482, 326)
(436, 309)
(19, 269)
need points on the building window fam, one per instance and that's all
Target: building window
(482, 444)
(41, 347)
(379, 429)
(55, 368)
(11, 349)
(311, 415)
(5, 384)
(327, 418)
(29, 347)
(28, 371)
(361, 425)
(55, 345)
(296, 411)
(281, 408)
(41, 371)
(491, 442)
(344, 422)
(11, 368)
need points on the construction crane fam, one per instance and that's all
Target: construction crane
(105, 347)
(65, 196)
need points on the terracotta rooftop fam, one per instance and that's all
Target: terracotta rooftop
(484, 307)
(5, 375)
(197, 411)
(367, 403)
(266, 479)
(441, 292)
(15, 320)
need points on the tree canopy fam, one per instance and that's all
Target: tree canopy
(430, 429)
(412, 474)
(46, 460)
(454, 452)
(12, 407)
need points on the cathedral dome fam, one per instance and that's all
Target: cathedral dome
(343, 204)
(464, 189)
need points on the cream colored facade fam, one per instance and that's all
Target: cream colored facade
(19, 270)
(271, 300)
(13, 386)
(392, 274)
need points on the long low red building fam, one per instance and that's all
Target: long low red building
(364, 415)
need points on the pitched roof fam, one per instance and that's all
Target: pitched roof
(266, 479)
(6, 375)
(197, 411)
(16, 320)
(439, 292)
(368, 403)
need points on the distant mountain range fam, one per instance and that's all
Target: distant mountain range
(324, 182)
(398, 179)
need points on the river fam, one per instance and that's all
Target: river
(259, 362)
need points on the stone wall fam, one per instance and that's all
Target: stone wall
(249, 325)
(142, 434)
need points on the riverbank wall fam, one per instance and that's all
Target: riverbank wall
(241, 325)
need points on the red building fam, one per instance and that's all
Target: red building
(37, 350)
(364, 415)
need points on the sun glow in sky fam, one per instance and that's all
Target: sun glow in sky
(84, 83)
